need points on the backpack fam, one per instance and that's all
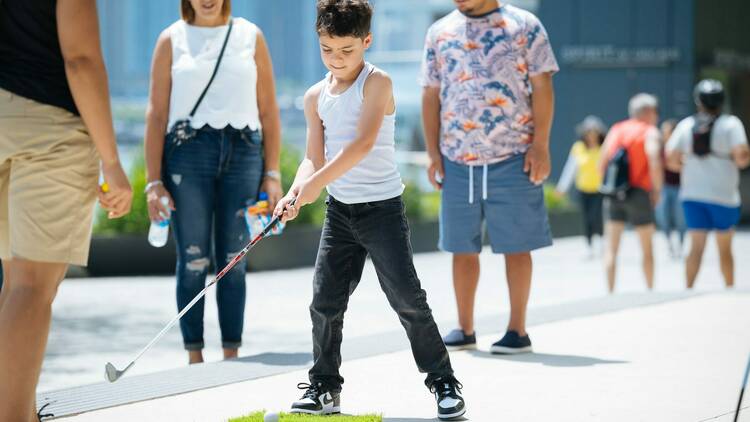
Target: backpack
(702, 129)
(616, 183)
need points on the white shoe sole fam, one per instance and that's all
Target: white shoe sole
(463, 347)
(453, 415)
(501, 350)
(333, 411)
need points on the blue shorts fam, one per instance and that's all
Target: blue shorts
(511, 207)
(708, 216)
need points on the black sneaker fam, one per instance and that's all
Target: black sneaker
(317, 400)
(447, 392)
(512, 344)
(458, 340)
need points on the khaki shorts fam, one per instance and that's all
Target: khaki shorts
(49, 172)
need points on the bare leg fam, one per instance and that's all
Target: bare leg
(465, 282)
(195, 356)
(231, 353)
(518, 269)
(646, 236)
(613, 231)
(693, 262)
(29, 289)
(724, 242)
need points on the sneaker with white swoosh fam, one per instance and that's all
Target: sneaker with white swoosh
(447, 392)
(317, 400)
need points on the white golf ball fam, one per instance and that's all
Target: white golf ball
(271, 417)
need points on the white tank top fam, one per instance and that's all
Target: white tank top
(376, 177)
(232, 98)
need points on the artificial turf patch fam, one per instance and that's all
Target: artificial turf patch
(286, 417)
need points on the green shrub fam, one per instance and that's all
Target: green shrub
(420, 205)
(555, 202)
(137, 221)
(312, 214)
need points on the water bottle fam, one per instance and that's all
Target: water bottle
(258, 215)
(158, 233)
(254, 215)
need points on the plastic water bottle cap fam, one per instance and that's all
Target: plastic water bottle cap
(263, 196)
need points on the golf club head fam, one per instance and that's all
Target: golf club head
(111, 373)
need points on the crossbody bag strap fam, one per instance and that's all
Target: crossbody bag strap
(216, 68)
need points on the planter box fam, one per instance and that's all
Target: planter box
(566, 223)
(131, 255)
(297, 247)
(424, 236)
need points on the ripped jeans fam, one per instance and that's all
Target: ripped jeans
(210, 179)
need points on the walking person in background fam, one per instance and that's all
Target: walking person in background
(638, 137)
(487, 108)
(232, 155)
(709, 149)
(669, 214)
(56, 135)
(583, 167)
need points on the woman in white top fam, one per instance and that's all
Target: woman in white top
(234, 155)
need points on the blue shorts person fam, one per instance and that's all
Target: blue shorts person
(491, 148)
(511, 209)
(709, 149)
(707, 216)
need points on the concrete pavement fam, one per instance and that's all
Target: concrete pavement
(680, 360)
(632, 356)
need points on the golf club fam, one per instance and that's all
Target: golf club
(112, 374)
(742, 391)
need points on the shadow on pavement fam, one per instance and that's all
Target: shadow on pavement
(280, 359)
(547, 359)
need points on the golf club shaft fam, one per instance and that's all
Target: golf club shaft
(742, 392)
(202, 293)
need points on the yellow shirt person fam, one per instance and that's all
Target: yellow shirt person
(588, 174)
(582, 168)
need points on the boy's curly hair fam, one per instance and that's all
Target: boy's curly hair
(344, 18)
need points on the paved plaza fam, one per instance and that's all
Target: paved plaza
(661, 356)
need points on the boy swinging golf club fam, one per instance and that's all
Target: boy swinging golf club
(350, 150)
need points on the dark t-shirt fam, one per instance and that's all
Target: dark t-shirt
(31, 62)
(670, 178)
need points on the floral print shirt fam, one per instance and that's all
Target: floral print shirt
(482, 66)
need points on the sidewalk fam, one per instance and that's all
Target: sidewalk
(100, 320)
(680, 360)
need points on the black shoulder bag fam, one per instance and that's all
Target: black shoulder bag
(616, 183)
(181, 131)
(704, 125)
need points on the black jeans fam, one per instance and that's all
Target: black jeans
(350, 233)
(593, 214)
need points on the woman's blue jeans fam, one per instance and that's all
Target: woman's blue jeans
(210, 178)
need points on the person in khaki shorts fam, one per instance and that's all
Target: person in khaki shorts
(55, 132)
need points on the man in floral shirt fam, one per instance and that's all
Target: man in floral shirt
(487, 109)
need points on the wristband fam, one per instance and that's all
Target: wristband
(273, 174)
(150, 185)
